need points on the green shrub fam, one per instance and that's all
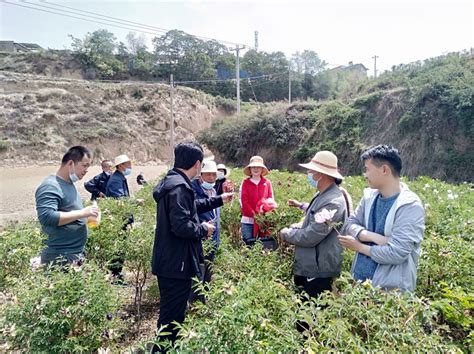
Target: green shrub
(137, 93)
(359, 316)
(18, 244)
(61, 311)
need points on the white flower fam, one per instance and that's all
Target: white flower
(35, 263)
(324, 215)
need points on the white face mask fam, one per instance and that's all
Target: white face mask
(207, 185)
(220, 175)
(72, 175)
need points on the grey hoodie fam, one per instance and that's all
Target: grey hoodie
(318, 253)
(398, 259)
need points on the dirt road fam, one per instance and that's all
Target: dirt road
(18, 185)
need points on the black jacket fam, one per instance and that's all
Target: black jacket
(97, 184)
(219, 187)
(177, 250)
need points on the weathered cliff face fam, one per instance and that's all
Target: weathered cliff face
(41, 117)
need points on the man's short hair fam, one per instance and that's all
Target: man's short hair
(186, 154)
(105, 163)
(384, 154)
(76, 154)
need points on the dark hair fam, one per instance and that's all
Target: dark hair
(186, 154)
(76, 154)
(104, 162)
(384, 154)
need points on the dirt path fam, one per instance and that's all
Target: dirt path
(18, 185)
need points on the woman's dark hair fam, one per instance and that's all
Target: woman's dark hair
(186, 154)
(76, 154)
(384, 154)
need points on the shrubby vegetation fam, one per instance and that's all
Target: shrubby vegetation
(252, 304)
(191, 59)
(425, 109)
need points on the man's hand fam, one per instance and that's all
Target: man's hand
(294, 203)
(227, 197)
(101, 195)
(210, 228)
(140, 202)
(90, 211)
(353, 244)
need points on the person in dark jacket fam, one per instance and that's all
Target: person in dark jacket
(222, 174)
(204, 188)
(141, 180)
(117, 187)
(177, 246)
(97, 185)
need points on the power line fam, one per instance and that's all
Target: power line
(227, 80)
(79, 18)
(101, 19)
(135, 23)
(105, 16)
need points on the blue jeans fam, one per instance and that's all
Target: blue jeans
(247, 231)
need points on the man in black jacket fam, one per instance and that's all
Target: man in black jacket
(177, 250)
(96, 186)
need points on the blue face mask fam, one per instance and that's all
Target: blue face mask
(72, 175)
(127, 171)
(207, 185)
(311, 180)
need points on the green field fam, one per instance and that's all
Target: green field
(252, 304)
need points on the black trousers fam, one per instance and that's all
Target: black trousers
(206, 270)
(174, 294)
(314, 287)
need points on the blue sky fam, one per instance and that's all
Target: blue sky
(339, 31)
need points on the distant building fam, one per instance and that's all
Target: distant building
(353, 68)
(15, 47)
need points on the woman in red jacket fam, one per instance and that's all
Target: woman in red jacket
(252, 190)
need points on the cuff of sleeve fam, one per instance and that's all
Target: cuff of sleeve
(55, 218)
(355, 230)
(288, 235)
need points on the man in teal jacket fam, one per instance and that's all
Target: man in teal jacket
(387, 228)
(60, 210)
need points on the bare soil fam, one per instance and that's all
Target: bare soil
(18, 185)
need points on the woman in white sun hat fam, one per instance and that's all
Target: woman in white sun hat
(253, 189)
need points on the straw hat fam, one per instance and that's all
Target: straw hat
(256, 161)
(208, 166)
(324, 162)
(121, 159)
(221, 166)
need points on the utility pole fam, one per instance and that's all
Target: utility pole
(237, 75)
(171, 123)
(289, 83)
(375, 65)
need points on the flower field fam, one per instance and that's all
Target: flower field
(252, 304)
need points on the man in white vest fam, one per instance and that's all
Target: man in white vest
(387, 228)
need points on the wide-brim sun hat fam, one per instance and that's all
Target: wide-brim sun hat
(121, 159)
(324, 162)
(221, 166)
(208, 166)
(256, 161)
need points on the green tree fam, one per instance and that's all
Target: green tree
(97, 51)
